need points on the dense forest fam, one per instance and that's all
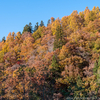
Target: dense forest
(60, 61)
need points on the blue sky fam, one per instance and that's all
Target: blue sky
(15, 14)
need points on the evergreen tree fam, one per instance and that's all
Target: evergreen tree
(3, 39)
(59, 38)
(48, 22)
(98, 75)
(55, 67)
(54, 63)
(36, 27)
(42, 23)
(96, 72)
(28, 28)
(79, 81)
(96, 66)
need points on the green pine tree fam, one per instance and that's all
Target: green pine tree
(55, 67)
(54, 63)
(96, 66)
(42, 23)
(36, 27)
(59, 38)
(27, 28)
(3, 39)
(48, 22)
(79, 81)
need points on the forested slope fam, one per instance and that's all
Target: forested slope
(59, 60)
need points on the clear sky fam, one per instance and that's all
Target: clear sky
(15, 14)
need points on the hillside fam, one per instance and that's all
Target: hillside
(60, 60)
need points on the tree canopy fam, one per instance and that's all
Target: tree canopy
(57, 62)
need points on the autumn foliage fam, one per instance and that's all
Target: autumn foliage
(54, 62)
